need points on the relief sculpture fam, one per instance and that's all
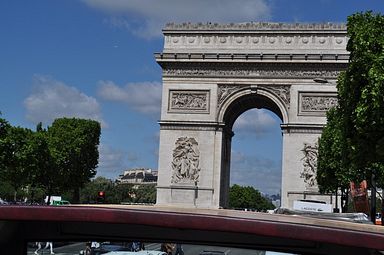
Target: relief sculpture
(225, 91)
(185, 164)
(189, 100)
(283, 92)
(247, 72)
(318, 103)
(310, 165)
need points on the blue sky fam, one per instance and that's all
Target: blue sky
(94, 59)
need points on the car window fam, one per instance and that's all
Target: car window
(140, 248)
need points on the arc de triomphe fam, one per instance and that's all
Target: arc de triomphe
(212, 73)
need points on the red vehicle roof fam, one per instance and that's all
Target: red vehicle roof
(296, 234)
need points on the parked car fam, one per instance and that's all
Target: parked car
(294, 234)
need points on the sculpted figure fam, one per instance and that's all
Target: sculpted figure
(310, 164)
(185, 164)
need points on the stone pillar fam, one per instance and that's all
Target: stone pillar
(298, 163)
(189, 166)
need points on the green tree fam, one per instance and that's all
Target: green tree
(248, 197)
(330, 173)
(90, 191)
(4, 126)
(145, 194)
(73, 145)
(42, 174)
(23, 158)
(361, 97)
(123, 193)
(6, 190)
(14, 159)
(355, 129)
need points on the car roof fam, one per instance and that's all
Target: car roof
(289, 233)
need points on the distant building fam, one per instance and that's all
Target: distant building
(138, 176)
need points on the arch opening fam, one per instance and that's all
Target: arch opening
(247, 102)
(252, 155)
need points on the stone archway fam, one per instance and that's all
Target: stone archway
(214, 72)
(237, 99)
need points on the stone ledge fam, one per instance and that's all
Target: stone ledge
(302, 128)
(255, 57)
(185, 187)
(260, 26)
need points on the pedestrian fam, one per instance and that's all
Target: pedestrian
(179, 249)
(48, 244)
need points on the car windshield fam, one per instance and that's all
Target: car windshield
(141, 248)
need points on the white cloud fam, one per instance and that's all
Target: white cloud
(111, 161)
(146, 18)
(144, 97)
(255, 122)
(53, 99)
(262, 173)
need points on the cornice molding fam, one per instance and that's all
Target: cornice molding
(259, 26)
(256, 37)
(191, 125)
(302, 128)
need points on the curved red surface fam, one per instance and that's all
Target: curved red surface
(359, 237)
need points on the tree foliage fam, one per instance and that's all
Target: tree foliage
(330, 174)
(14, 158)
(354, 134)
(73, 144)
(118, 193)
(248, 197)
(60, 159)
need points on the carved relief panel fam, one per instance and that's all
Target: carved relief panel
(185, 163)
(224, 91)
(194, 101)
(309, 165)
(316, 104)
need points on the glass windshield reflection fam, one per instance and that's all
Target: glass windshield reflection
(136, 248)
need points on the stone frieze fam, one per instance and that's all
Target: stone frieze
(250, 72)
(188, 100)
(316, 104)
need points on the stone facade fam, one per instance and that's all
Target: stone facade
(214, 72)
(138, 176)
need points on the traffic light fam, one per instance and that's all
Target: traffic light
(101, 197)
